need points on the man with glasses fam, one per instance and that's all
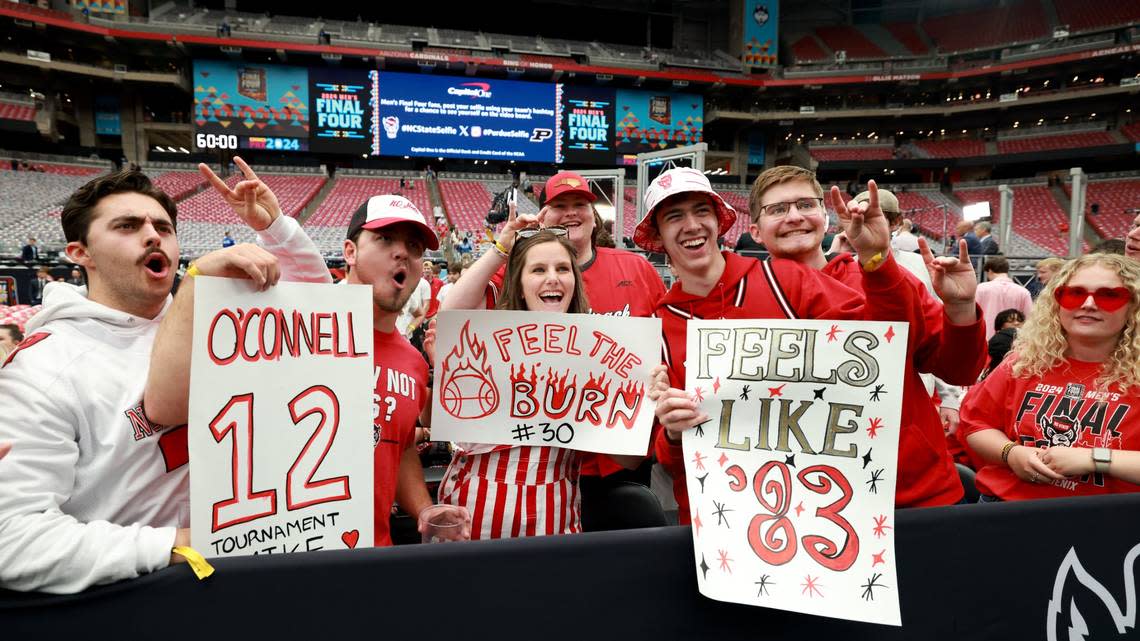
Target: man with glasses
(947, 339)
(685, 217)
(617, 283)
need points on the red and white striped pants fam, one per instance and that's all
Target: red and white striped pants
(516, 491)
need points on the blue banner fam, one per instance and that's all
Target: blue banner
(246, 99)
(756, 148)
(464, 117)
(761, 33)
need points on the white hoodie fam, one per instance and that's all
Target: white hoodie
(85, 495)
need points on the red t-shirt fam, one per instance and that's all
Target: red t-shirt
(618, 283)
(1061, 408)
(400, 393)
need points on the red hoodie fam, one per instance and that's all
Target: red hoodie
(777, 288)
(954, 353)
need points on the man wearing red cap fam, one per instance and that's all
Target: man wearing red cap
(383, 249)
(618, 283)
(685, 217)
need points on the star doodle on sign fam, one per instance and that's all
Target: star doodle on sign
(878, 558)
(716, 385)
(890, 333)
(790, 460)
(699, 395)
(876, 476)
(721, 517)
(874, 427)
(699, 429)
(723, 459)
(704, 568)
(819, 393)
(811, 586)
(744, 393)
(867, 457)
(831, 333)
(877, 392)
(776, 391)
(699, 460)
(800, 508)
(763, 584)
(702, 480)
(697, 522)
(880, 529)
(870, 585)
(724, 561)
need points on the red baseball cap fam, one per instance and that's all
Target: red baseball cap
(566, 182)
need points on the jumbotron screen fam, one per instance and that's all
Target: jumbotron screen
(339, 111)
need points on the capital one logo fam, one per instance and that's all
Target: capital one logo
(471, 90)
(1075, 590)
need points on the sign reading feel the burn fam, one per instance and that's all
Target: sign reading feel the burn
(280, 418)
(792, 480)
(577, 381)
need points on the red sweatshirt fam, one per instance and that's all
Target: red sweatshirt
(776, 288)
(953, 353)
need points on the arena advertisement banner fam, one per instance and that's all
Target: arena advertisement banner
(792, 480)
(761, 33)
(587, 125)
(652, 121)
(280, 420)
(250, 106)
(467, 117)
(577, 381)
(341, 104)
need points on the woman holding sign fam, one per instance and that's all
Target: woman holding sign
(1059, 416)
(514, 491)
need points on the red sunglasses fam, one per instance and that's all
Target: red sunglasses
(1108, 299)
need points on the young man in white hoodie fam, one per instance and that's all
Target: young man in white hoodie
(93, 491)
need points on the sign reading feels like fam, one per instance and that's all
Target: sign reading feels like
(792, 480)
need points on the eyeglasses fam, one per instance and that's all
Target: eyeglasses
(557, 230)
(805, 206)
(1108, 299)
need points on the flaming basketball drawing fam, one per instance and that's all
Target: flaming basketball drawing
(469, 389)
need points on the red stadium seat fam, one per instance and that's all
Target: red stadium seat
(988, 28)
(14, 111)
(1132, 131)
(824, 154)
(1087, 16)
(1115, 197)
(1037, 216)
(179, 184)
(907, 34)
(1056, 141)
(952, 148)
(806, 49)
(466, 202)
(851, 40)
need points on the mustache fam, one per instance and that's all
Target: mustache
(151, 252)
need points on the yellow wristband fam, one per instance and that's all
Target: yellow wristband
(874, 262)
(192, 271)
(201, 567)
(502, 250)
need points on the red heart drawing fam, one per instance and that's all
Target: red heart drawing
(350, 538)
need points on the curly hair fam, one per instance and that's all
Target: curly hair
(1042, 342)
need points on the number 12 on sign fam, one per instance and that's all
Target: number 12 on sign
(235, 422)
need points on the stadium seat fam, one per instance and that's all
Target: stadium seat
(1055, 141)
(1115, 197)
(466, 202)
(907, 34)
(961, 148)
(625, 506)
(988, 28)
(825, 154)
(1089, 16)
(851, 40)
(1037, 218)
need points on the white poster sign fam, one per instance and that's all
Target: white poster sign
(792, 480)
(280, 418)
(577, 381)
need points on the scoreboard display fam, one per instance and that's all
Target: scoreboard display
(247, 106)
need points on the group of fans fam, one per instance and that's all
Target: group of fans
(94, 488)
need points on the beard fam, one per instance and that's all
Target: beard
(395, 304)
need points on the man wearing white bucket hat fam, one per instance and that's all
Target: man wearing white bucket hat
(684, 218)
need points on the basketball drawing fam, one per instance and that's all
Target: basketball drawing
(468, 387)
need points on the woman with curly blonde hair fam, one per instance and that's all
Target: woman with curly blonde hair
(1061, 415)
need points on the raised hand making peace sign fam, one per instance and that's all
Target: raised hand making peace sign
(252, 200)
